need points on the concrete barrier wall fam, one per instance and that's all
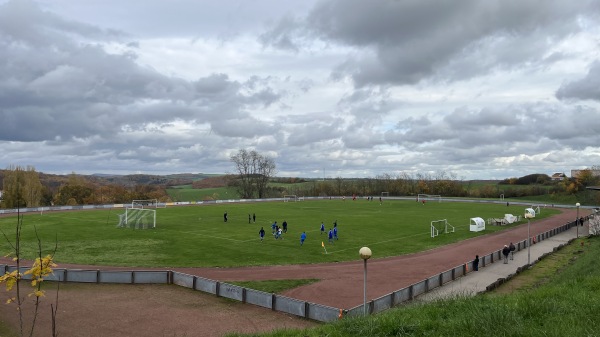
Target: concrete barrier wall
(383, 303)
(447, 276)
(260, 298)
(184, 280)
(419, 288)
(231, 291)
(322, 313)
(85, 276)
(151, 277)
(402, 295)
(206, 285)
(433, 282)
(115, 277)
(289, 305)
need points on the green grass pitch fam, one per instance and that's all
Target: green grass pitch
(196, 235)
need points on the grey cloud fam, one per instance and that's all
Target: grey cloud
(284, 35)
(586, 88)
(79, 90)
(416, 40)
(480, 135)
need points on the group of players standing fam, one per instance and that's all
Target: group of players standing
(278, 232)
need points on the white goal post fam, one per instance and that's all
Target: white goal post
(443, 225)
(428, 197)
(291, 197)
(385, 194)
(147, 203)
(137, 218)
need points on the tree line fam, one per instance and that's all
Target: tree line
(22, 187)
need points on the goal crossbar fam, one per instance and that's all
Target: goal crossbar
(421, 197)
(287, 198)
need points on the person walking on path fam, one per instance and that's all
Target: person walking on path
(302, 238)
(512, 249)
(505, 252)
(261, 232)
(476, 263)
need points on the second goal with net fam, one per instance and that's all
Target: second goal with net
(291, 197)
(441, 225)
(137, 218)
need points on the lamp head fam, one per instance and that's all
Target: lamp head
(365, 253)
(528, 215)
(577, 204)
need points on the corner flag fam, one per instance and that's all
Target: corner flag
(323, 245)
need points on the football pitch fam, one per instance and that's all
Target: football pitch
(197, 236)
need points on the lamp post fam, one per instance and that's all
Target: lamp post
(528, 216)
(577, 220)
(365, 254)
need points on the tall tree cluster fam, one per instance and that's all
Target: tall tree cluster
(21, 187)
(253, 172)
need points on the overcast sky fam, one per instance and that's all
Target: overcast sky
(337, 88)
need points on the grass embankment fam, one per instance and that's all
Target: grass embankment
(558, 297)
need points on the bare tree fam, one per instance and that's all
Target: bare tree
(253, 172)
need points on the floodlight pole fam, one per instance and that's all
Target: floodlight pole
(365, 254)
(577, 220)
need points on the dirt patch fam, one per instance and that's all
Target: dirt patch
(147, 310)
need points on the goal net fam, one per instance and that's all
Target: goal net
(287, 198)
(385, 194)
(443, 226)
(147, 203)
(429, 197)
(137, 218)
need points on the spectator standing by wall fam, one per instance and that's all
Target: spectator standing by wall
(512, 249)
(505, 252)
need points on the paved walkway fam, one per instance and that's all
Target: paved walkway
(477, 282)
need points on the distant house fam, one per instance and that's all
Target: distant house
(558, 176)
(575, 173)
